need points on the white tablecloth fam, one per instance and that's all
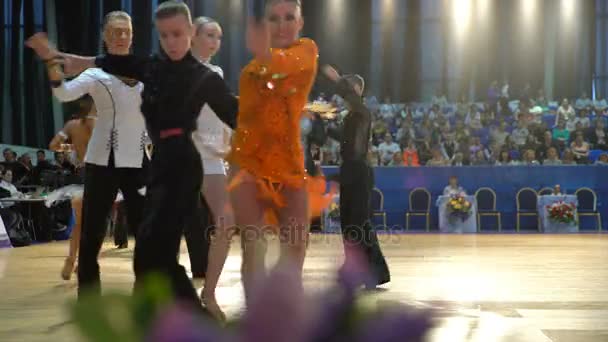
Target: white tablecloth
(457, 225)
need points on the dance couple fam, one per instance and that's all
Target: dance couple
(268, 182)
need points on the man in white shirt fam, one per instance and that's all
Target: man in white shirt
(387, 149)
(565, 113)
(600, 106)
(584, 102)
(115, 153)
(520, 134)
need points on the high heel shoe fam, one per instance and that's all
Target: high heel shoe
(213, 309)
(68, 268)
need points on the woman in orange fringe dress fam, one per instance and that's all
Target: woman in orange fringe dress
(269, 186)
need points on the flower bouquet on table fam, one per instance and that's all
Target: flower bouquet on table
(562, 212)
(458, 207)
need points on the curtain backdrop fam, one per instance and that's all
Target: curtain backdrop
(405, 49)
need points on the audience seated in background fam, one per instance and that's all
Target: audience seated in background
(597, 135)
(520, 134)
(583, 102)
(561, 134)
(530, 158)
(437, 159)
(603, 159)
(388, 149)
(565, 112)
(568, 158)
(552, 158)
(580, 148)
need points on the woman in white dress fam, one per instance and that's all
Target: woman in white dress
(212, 139)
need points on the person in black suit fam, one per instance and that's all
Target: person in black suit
(356, 176)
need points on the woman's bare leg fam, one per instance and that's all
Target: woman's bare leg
(249, 217)
(68, 266)
(294, 224)
(216, 195)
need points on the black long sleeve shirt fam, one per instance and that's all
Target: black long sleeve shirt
(355, 133)
(174, 91)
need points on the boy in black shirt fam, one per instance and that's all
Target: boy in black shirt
(356, 176)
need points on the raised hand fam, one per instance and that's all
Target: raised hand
(258, 39)
(331, 73)
(39, 42)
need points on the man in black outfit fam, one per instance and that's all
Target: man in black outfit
(356, 176)
(175, 89)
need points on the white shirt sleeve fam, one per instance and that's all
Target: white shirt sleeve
(76, 88)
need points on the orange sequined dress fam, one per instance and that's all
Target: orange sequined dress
(267, 142)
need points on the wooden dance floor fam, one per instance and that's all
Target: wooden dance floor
(485, 287)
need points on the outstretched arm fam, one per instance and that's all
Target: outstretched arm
(60, 138)
(220, 98)
(345, 90)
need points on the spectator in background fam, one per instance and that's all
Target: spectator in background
(520, 134)
(405, 132)
(410, 152)
(504, 159)
(565, 113)
(437, 159)
(479, 159)
(457, 160)
(600, 107)
(372, 157)
(530, 158)
(387, 110)
(397, 160)
(541, 99)
(473, 119)
(493, 153)
(583, 102)
(552, 158)
(453, 188)
(379, 130)
(475, 147)
(582, 118)
(425, 151)
(603, 159)
(548, 143)
(449, 147)
(568, 157)
(410, 162)
(493, 95)
(18, 170)
(439, 100)
(499, 134)
(530, 144)
(597, 135)
(505, 91)
(561, 134)
(461, 132)
(387, 149)
(462, 107)
(581, 149)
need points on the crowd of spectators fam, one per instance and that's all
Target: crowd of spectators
(502, 130)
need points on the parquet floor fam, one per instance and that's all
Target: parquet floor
(487, 287)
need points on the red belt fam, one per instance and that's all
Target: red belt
(171, 132)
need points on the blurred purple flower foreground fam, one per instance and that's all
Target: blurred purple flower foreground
(280, 312)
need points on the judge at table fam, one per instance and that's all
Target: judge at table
(453, 188)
